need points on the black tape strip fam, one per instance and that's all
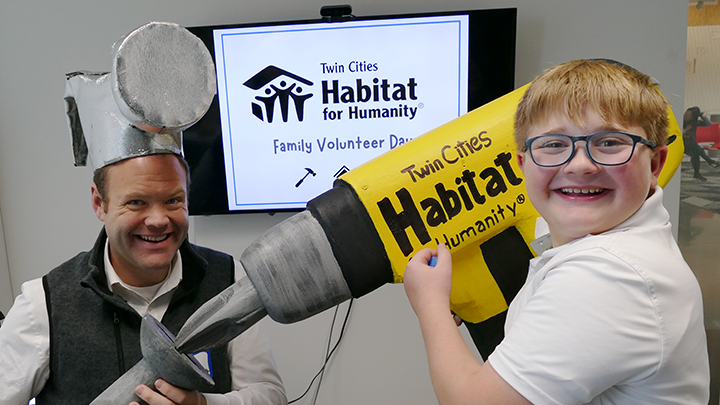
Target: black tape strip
(353, 238)
(507, 256)
(487, 334)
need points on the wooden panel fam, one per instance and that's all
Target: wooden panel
(707, 15)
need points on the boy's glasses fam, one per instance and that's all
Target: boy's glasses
(606, 148)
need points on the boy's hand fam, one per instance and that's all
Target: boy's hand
(168, 395)
(428, 288)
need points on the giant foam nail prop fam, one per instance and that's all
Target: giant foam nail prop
(160, 360)
(162, 81)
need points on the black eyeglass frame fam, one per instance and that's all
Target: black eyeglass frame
(635, 138)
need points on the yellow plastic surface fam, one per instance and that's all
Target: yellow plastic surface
(477, 149)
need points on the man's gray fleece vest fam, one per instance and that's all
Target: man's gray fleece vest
(94, 335)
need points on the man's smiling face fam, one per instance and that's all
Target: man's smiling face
(145, 215)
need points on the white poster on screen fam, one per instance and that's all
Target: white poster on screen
(300, 104)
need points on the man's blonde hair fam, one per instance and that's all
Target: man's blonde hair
(618, 93)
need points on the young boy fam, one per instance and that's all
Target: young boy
(611, 314)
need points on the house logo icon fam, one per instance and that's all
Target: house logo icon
(278, 88)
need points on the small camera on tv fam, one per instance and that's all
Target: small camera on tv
(336, 11)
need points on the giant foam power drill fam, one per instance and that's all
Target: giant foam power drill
(458, 184)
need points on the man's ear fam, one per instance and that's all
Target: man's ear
(657, 162)
(97, 203)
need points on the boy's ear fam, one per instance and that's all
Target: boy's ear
(97, 203)
(521, 160)
(657, 162)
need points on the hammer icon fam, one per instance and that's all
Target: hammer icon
(309, 171)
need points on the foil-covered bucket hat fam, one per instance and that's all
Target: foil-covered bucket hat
(162, 81)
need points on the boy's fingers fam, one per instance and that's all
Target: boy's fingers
(457, 320)
(443, 253)
(423, 255)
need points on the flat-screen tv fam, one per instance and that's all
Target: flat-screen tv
(299, 103)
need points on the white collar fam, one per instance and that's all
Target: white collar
(148, 294)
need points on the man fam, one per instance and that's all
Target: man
(72, 333)
(141, 263)
(693, 118)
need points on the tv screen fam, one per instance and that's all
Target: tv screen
(299, 103)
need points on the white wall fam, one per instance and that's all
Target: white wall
(45, 200)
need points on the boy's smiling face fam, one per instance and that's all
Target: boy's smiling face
(582, 197)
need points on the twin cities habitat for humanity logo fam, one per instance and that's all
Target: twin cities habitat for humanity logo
(288, 89)
(351, 99)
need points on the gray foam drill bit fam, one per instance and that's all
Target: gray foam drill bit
(222, 318)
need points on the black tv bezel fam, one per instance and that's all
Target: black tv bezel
(491, 32)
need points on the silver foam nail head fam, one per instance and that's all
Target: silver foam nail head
(162, 82)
